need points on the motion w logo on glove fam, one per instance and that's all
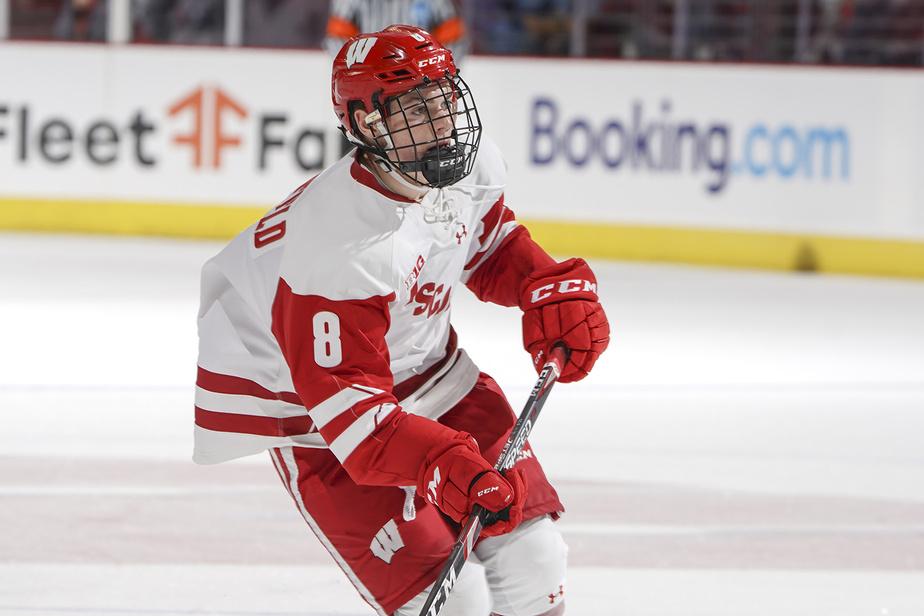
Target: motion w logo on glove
(433, 485)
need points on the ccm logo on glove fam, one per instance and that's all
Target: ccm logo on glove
(560, 305)
(565, 286)
(457, 478)
(488, 491)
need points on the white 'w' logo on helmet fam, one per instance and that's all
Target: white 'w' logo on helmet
(359, 50)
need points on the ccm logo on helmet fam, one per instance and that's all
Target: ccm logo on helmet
(431, 61)
(565, 286)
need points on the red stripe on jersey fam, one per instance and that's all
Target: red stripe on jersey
(253, 424)
(283, 471)
(227, 384)
(496, 217)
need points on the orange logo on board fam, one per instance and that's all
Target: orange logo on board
(208, 107)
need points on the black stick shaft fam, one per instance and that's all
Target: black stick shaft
(472, 526)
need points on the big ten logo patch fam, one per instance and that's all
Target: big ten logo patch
(415, 272)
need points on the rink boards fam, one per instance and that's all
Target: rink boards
(775, 167)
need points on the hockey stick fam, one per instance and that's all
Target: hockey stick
(472, 526)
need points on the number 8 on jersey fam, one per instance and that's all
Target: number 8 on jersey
(327, 350)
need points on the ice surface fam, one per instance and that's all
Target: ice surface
(751, 445)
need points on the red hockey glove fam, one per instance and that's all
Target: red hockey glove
(508, 518)
(559, 303)
(458, 478)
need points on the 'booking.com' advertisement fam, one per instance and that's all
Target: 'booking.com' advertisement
(754, 148)
(646, 140)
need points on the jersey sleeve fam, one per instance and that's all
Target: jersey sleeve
(241, 406)
(502, 252)
(338, 357)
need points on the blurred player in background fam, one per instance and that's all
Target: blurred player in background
(325, 338)
(438, 17)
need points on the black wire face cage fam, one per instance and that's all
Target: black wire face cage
(431, 132)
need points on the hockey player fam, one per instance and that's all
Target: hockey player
(349, 18)
(325, 338)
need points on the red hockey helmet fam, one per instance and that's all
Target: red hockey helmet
(375, 72)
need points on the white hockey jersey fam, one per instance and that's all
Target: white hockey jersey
(332, 311)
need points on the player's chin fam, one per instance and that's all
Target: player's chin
(417, 178)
